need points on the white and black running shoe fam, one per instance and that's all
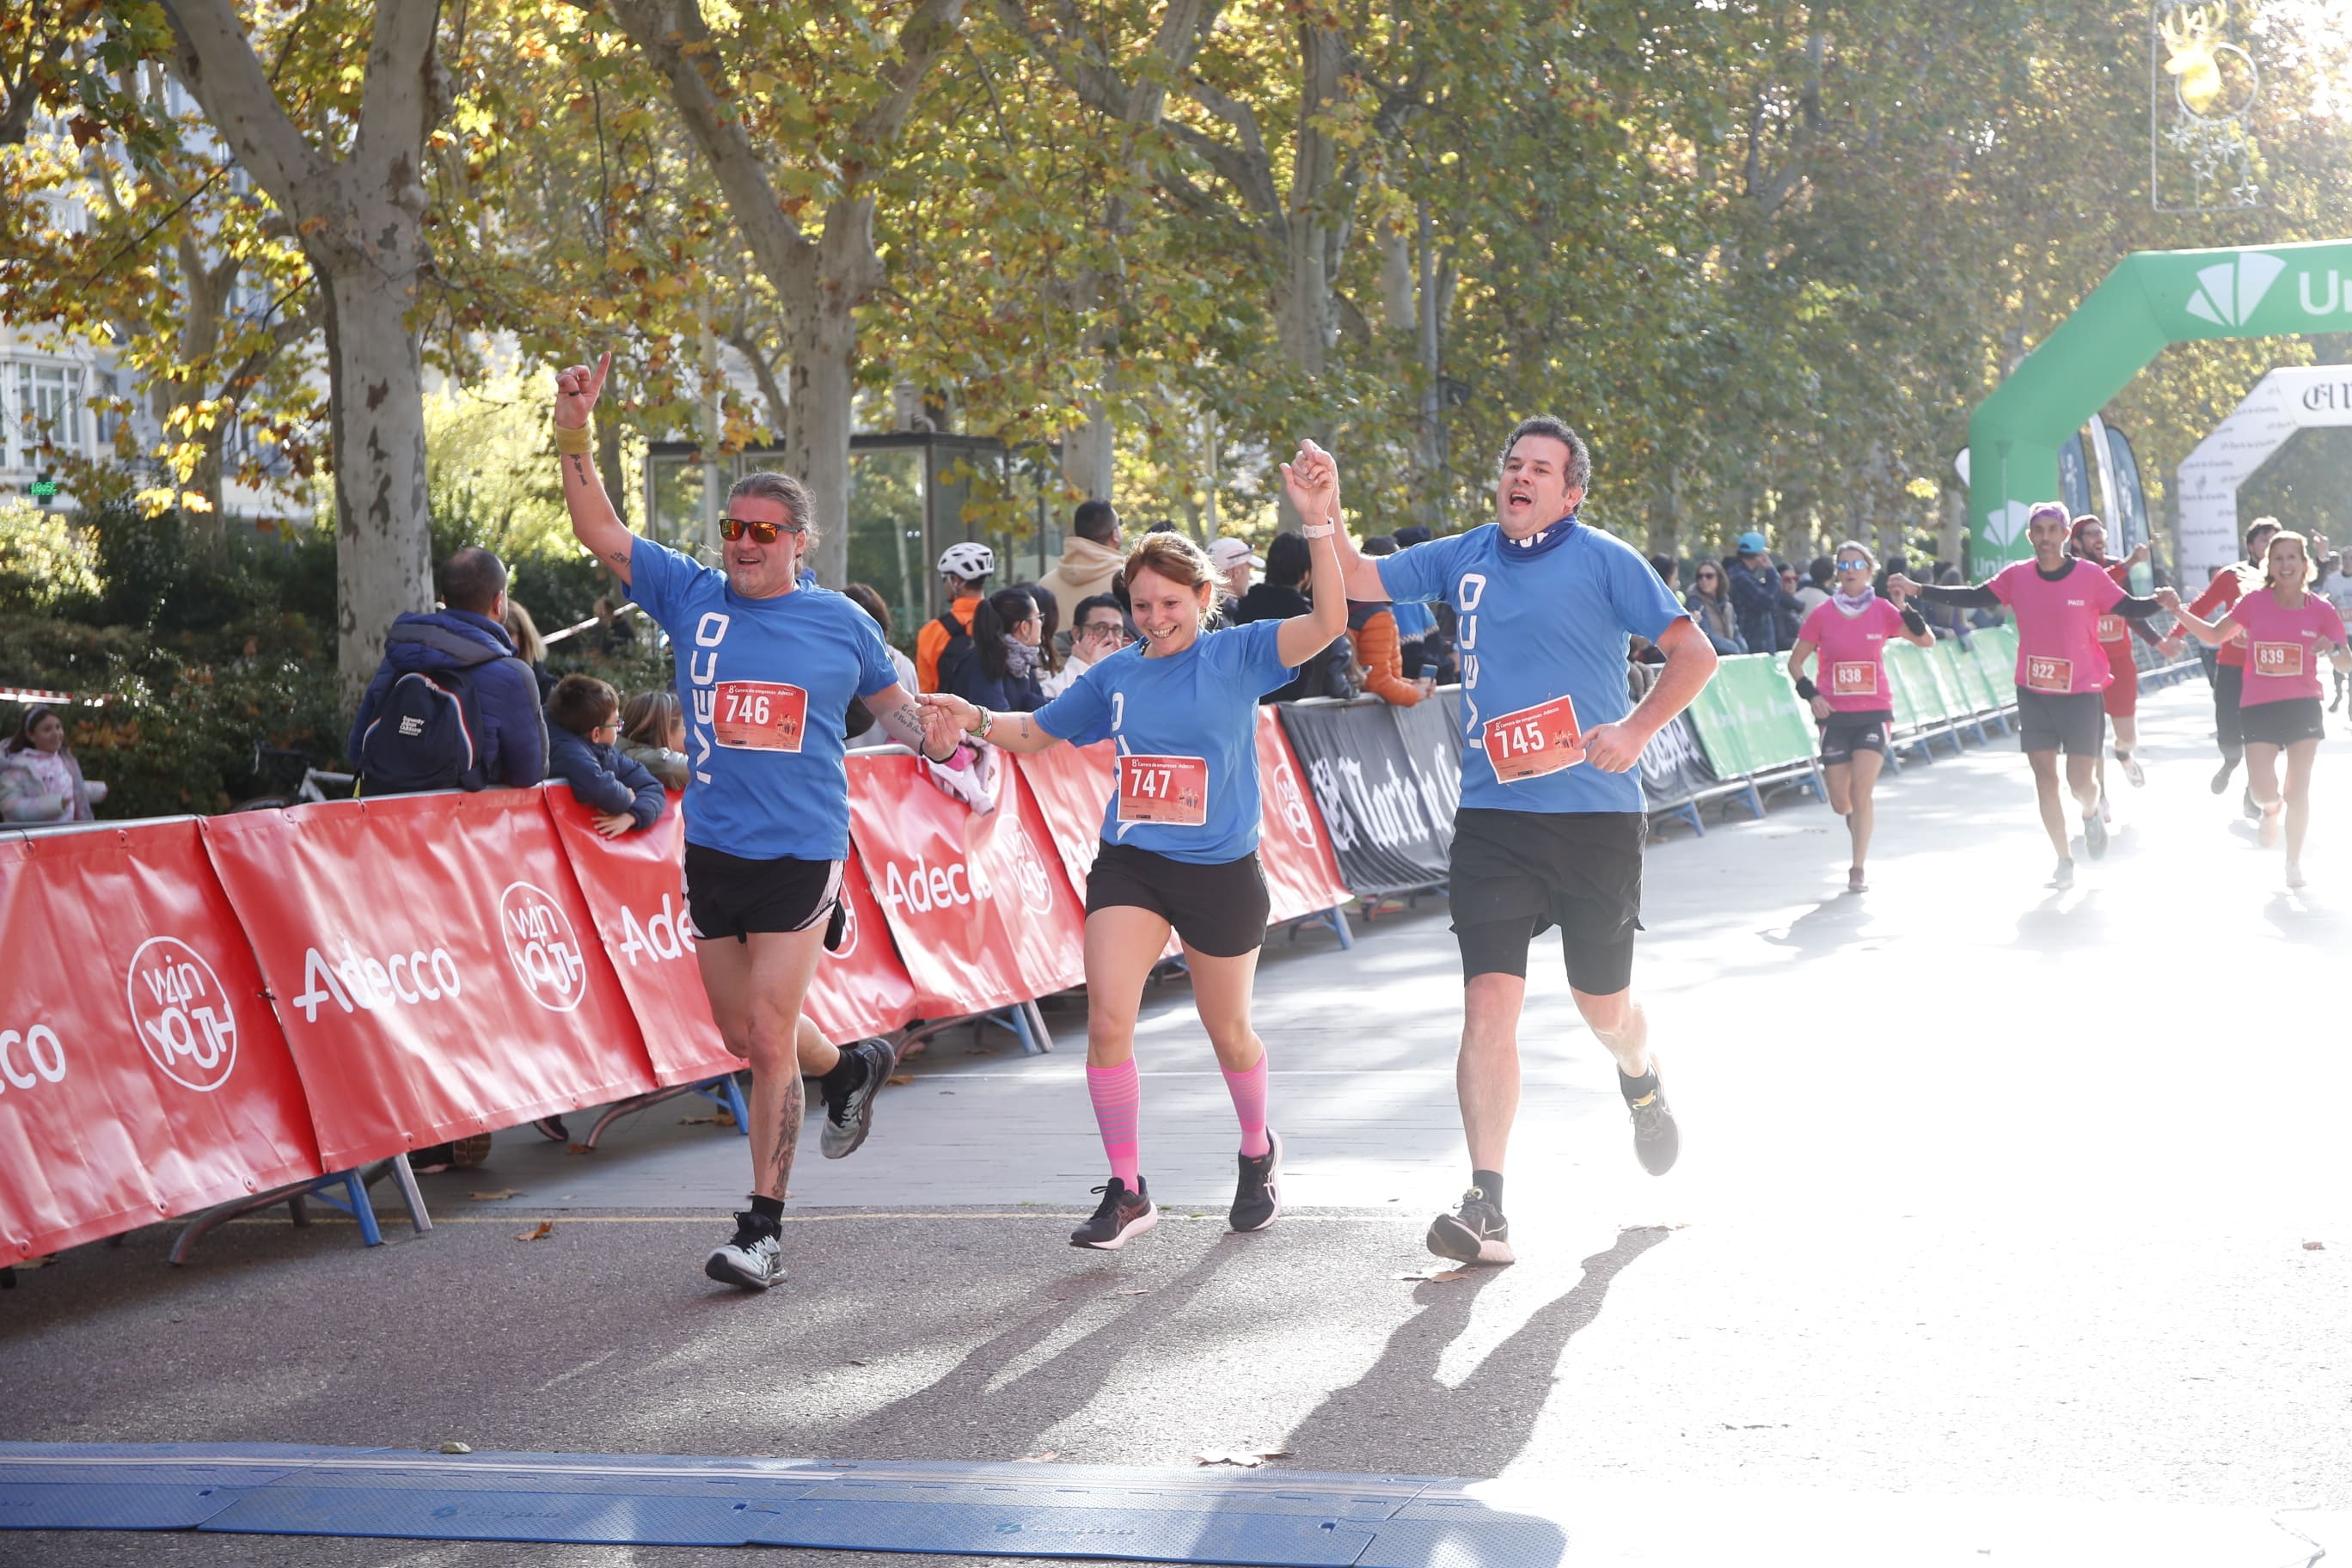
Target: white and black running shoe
(1476, 1232)
(2094, 833)
(849, 1118)
(1256, 1196)
(754, 1260)
(1121, 1214)
(2063, 877)
(1657, 1140)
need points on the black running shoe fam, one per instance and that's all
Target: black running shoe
(849, 1118)
(1476, 1232)
(2250, 806)
(1121, 1214)
(2094, 834)
(754, 1260)
(1255, 1198)
(1656, 1140)
(2221, 779)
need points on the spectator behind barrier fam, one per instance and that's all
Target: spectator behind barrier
(1098, 630)
(1710, 603)
(1050, 643)
(40, 780)
(965, 571)
(996, 667)
(530, 646)
(1091, 555)
(865, 596)
(612, 628)
(584, 719)
(653, 736)
(1284, 594)
(1669, 572)
(1762, 605)
(1814, 591)
(1235, 563)
(471, 684)
(1372, 633)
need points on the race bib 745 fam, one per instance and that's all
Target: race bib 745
(1534, 740)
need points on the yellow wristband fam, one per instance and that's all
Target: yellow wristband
(569, 441)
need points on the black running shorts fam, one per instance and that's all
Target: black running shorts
(1843, 734)
(1219, 910)
(1515, 874)
(730, 896)
(2282, 723)
(2075, 723)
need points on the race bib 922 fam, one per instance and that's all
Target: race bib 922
(2043, 673)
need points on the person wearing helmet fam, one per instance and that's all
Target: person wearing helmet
(965, 568)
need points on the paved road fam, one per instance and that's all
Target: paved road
(1995, 1207)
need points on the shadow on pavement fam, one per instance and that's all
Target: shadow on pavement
(1395, 1418)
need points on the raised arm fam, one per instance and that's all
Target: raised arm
(1359, 575)
(1914, 625)
(1313, 480)
(593, 520)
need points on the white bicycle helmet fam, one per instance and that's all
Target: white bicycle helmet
(970, 560)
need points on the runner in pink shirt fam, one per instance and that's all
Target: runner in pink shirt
(2288, 631)
(1853, 704)
(2061, 670)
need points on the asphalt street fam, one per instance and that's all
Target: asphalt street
(2012, 1225)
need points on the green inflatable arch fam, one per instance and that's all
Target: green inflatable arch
(2152, 299)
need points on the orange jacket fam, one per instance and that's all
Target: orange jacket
(1376, 649)
(932, 641)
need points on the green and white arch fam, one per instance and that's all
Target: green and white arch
(2152, 299)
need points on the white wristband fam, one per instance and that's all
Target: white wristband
(1326, 531)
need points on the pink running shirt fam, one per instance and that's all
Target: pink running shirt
(1852, 660)
(2283, 646)
(2058, 650)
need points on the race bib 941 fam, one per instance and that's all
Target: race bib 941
(1854, 677)
(758, 715)
(2281, 659)
(1535, 740)
(1170, 791)
(2043, 673)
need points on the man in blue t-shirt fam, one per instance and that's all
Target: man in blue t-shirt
(1551, 823)
(768, 664)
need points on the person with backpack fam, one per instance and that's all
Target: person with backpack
(964, 571)
(1283, 597)
(452, 705)
(995, 665)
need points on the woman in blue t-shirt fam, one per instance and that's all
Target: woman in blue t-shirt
(1179, 833)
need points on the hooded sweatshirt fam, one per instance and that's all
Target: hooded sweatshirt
(514, 735)
(1086, 570)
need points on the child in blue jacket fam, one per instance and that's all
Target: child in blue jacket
(583, 722)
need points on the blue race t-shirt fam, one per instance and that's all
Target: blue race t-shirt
(1186, 728)
(766, 686)
(1555, 623)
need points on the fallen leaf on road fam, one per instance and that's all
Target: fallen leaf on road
(538, 1231)
(900, 1077)
(857, 1363)
(1247, 1460)
(699, 1120)
(456, 1448)
(1438, 1276)
(502, 1193)
(1038, 1459)
(2314, 1247)
(1135, 1292)
(578, 1149)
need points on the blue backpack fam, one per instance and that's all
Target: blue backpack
(429, 734)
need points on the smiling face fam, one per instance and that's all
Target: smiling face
(1534, 492)
(2091, 539)
(759, 570)
(1167, 613)
(1709, 580)
(2258, 542)
(2287, 564)
(50, 734)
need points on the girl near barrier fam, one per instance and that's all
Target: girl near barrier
(1179, 833)
(1853, 703)
(2286, 630)
(2088, 541)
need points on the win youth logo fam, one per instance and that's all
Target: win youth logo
(182, 1012)
(2229, 292)
(543, 947)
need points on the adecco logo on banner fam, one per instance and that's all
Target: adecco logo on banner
(665, 936)
(545, 949)
(36, 1049)
(181, 1013)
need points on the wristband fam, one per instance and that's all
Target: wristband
(1806, 689)
(576, 443)
(1914, 622)
(1326, 531)
(987, 722)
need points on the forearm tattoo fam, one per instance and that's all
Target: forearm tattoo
(904, 725)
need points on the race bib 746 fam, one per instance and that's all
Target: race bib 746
(758, 715)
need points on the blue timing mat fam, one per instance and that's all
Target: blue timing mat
(1283, 1518)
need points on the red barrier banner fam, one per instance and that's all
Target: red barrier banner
(982, 915)
(1301, 873)
(1072, 785)
(635, 896)
(141, 1073)
(432, 960)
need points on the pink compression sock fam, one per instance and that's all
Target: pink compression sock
(1118, 1095)
(1248, 1090)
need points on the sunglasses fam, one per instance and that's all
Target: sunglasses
(731, 529)
(1854, 566)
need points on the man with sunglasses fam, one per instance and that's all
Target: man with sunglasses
(767, 667)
